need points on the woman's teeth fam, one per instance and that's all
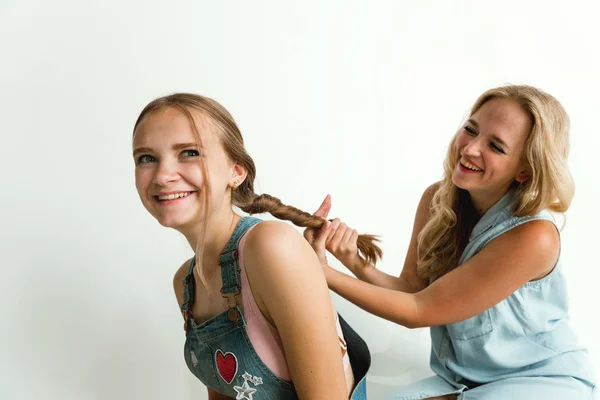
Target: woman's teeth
(470, 166)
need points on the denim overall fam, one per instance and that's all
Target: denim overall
(219, 351)
(521, 348)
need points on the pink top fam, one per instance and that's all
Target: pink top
(263, 335)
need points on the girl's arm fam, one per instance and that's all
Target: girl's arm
(524, 253)
(289, 287)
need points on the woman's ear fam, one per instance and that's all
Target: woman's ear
(522, 177)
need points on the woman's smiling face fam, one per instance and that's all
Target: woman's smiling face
(490, 150)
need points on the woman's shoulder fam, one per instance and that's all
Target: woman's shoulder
(537, 241)
(429, 192)
(425, 202)
(432, 189)
(507, 221)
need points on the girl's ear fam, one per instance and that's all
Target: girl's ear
(238, 176)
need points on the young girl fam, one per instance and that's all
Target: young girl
(483, 266)
(272, 333)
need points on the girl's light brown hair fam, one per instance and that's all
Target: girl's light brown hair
(213, 115)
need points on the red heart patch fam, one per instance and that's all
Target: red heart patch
(227, 365)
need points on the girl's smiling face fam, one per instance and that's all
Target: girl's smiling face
(169, 174)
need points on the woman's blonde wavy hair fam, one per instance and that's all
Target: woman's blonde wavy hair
(215, 117)
(452, 216)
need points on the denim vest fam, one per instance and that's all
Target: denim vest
(219, 351)
(527, 336)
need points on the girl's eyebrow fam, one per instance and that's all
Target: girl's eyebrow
(176, 146)
(142, 150)
(181, 146)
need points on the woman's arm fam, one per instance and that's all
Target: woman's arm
(524, 253)
(343, 246)
(408, 281)
(288, 284)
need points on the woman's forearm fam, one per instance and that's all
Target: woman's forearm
(387, 303)
(374, 276)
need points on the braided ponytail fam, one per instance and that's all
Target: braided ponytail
(267, 203)
(218, 118)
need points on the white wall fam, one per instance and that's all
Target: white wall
(356, 99)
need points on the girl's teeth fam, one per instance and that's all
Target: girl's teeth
(173, 196)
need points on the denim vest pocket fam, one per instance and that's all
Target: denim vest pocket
(471, 328)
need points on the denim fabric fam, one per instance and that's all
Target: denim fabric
(524, 345)
(219, 351)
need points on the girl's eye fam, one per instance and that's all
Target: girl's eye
(145, 158)
(470, 130)
(496, 148)
(190, 153)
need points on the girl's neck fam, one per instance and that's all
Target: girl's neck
(209, 244)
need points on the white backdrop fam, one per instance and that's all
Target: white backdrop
(356, 99)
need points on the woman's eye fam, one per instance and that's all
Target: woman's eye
(145, 158)
(190, 153)
(470, 130)
(496, 148)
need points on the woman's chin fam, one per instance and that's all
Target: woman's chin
(458, 182)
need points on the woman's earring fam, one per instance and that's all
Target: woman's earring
(522, 177)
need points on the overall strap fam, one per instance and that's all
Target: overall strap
(230, 274)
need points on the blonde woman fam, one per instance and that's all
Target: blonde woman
(259, 321)
(483, 266)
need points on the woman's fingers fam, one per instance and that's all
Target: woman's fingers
(347, 238)
(324, 208)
